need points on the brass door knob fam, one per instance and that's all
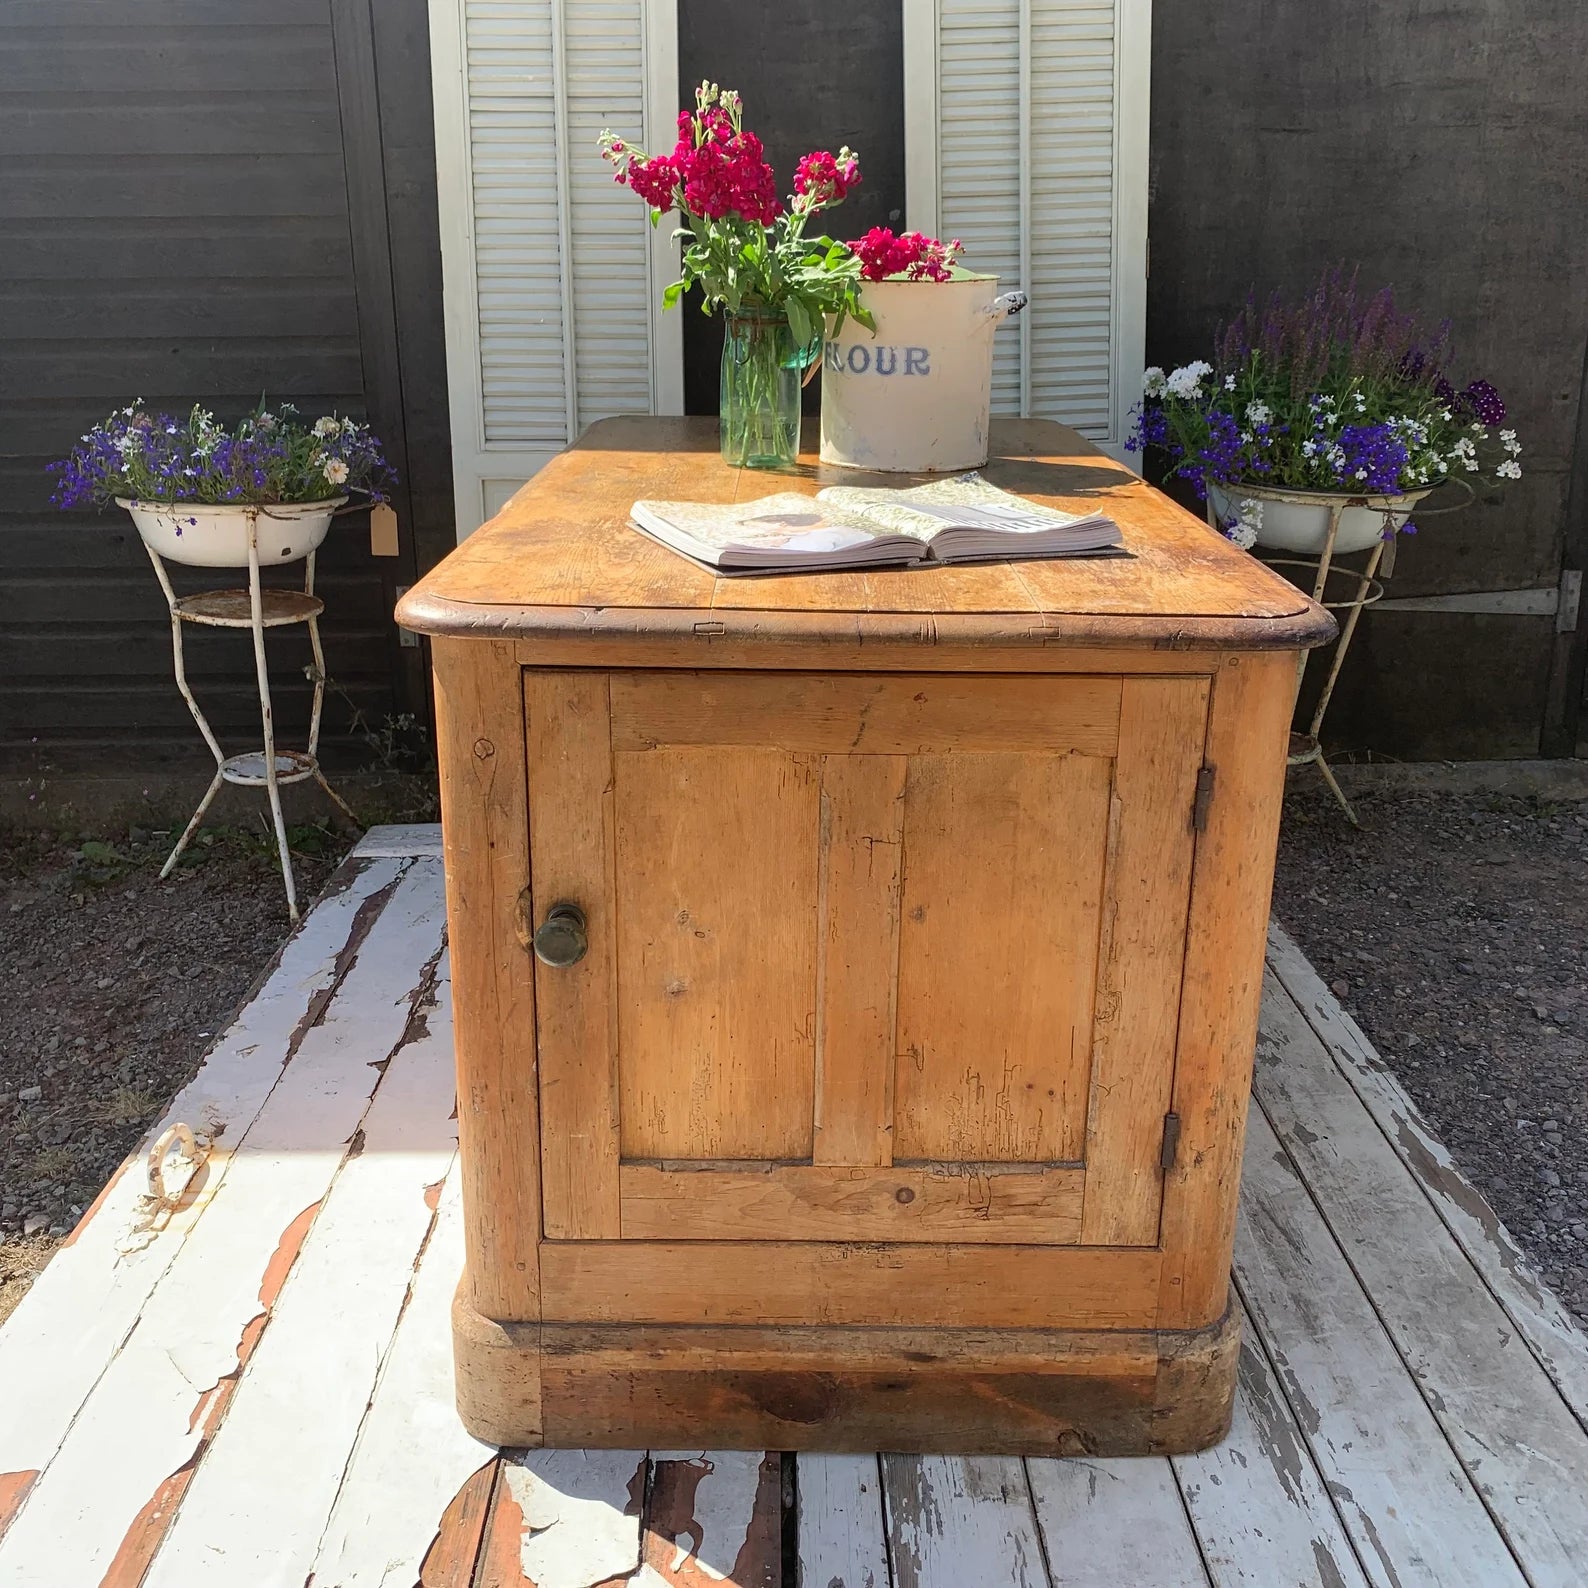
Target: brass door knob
(562, 939)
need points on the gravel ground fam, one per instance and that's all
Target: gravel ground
(1454, 928)
(115, 984)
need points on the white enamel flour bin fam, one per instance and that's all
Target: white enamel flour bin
(915, 397)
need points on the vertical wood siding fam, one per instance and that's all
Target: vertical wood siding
(173, 226)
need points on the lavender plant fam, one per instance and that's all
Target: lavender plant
(268, 456)
(1337, 392)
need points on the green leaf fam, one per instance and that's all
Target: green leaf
(799, 321)
(672, 293)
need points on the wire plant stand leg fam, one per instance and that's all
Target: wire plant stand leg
(319, 702)
(266, 715)
(179, 664)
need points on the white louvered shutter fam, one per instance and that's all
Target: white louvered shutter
(1026, 125)
(552, 273)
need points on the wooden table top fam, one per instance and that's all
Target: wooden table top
(560, 560)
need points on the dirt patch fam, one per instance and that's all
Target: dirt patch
(116, 985)
(1454, 927)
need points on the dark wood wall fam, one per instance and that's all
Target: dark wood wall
(202, 200)
(1445, 148)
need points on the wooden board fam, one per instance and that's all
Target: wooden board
(1533, 1309)
(1003, 882)
(572, 843)
(803, 1202)
(1109, 1523)
(952, 1286)
(1257, 1503)
(561, 551)
(1526, 1453)
(716, 975)
(842, 1543)
(862, 851)
(394, 1511)
(956, 1520)
(863, 714)
(158, 1399)
(305, 1390)
(80, 1309)
(1411, 1511)
(1141, 950)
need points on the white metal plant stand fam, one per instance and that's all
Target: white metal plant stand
(257, 608)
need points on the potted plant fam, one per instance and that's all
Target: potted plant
(1339, 403)
(199, 493)
(751, 258)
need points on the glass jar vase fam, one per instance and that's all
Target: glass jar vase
(762, 369)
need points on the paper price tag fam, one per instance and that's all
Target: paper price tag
(383, 530)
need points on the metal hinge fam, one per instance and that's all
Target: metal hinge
(1570, 601)
(1199, 810)
(1171, 1141)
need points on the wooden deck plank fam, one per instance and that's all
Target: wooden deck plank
(958, 1520)
(1260, 1510)
(565, 1519)
(413, 1457)
(408, 840)
(306, 1387)
(714, 1521)
(1413, 1516)
(1108, 1523)
(842, 1542)
(1561, 1347)
(155, 1404)
(67, 1328)
(1518, 1441)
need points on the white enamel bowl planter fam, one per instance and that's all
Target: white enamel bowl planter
(215, 535)
(1299, 520)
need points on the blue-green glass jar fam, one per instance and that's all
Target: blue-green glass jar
(762, 371)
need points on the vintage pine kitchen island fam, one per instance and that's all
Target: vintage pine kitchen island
(856, 975)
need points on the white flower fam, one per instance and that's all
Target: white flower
(1308, 448)
(1509, 470)
(1443, 467)
(335, 470)
(265, 421)
(1187, 382)
(1361, 403)
(1241, 530)
(1259, 413)
(326, 426)
(1229, 383)
(1471, 465)
(1361, 474)
(1512, 445)
(1152, 382)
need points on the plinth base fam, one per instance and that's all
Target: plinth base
(1035, 1392)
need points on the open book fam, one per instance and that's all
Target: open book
(961, 519)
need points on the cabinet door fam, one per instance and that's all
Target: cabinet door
(872, 958)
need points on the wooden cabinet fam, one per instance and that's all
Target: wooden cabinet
(887, 1088)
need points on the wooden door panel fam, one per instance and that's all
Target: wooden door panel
(862, 845)
(919, 992)
(1137, 1020)
(1003, 882)
(803, 1282)
(567, 737)
(805, 1202)
(716, 905)
(866, 713)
